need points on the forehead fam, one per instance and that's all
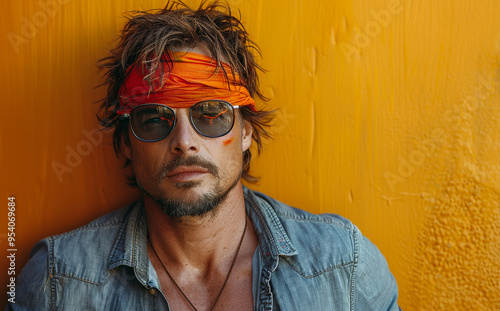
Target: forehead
(204, 106)
(200, 48)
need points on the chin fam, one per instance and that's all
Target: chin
(187, 185)
(200, 202)
(201, 206)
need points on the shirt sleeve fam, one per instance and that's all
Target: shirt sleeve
(375, 287)
(33, 286)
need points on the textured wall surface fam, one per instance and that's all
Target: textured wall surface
(389, 115)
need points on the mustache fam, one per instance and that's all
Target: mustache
(187, 161)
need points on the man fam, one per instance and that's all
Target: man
(181, 85)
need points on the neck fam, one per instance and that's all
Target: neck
(198, 241)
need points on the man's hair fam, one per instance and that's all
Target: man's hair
(147, 35)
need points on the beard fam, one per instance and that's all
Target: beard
(207, 203)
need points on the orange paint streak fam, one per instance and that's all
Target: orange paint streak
(227, 142)
(215, 117)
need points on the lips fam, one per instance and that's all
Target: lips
(186, 172)
(186, 168)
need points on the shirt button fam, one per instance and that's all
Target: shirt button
(152, 291)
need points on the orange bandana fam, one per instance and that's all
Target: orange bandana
(192, 78)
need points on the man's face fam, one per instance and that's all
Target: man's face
(188, 174)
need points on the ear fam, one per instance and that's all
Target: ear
(246, 135)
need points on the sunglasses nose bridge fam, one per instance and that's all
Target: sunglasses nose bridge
(183, 138)
(182, 120)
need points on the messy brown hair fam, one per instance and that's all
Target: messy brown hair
(149, 34)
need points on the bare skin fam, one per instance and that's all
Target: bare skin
(199, 257)
(198, 250)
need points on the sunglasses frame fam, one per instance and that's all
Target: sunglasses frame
(128, 116)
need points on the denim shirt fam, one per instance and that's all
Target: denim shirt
(303, 262)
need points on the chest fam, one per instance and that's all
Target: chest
(234, 294)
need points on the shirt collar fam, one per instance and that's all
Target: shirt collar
(273, 239)
(130, 247)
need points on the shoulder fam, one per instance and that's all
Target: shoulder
(91, 244)
(328, 242)
(320, 233)
(304, 227)
(95, 228)
(80, 254)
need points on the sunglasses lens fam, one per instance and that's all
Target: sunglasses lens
(152, 122)
(212, 118)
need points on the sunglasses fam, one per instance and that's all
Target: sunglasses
(154, 122)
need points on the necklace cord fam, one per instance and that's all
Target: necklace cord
(225, 281)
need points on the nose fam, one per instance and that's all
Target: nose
(184, 138)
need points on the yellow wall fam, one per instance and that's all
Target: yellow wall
(389, 115)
